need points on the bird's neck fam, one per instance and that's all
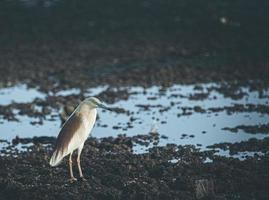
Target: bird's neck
(85, 109)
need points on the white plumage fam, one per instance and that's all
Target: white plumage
(75, 131)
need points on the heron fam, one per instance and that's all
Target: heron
(74, 133)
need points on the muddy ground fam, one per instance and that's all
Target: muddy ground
(225, 43)
(112, 171)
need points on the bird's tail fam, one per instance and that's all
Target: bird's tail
(56, 158)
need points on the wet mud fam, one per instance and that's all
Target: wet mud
(224, 51)
(113, 171)
(263, 128)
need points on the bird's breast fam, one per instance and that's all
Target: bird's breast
(89, 119)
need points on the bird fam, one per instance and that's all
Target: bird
(75, 132)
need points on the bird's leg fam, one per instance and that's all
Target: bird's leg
(72, 178)
(78, 161)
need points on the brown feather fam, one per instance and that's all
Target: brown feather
(67, 132)
(74, 132)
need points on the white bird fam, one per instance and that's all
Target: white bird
(74, 133)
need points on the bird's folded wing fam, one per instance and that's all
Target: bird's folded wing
(67, 138)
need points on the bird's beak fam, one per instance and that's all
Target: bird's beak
(101, 105)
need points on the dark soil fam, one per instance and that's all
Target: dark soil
(114, 172)
(262, 128)
(250, 145)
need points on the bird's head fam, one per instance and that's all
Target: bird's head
(96, 103)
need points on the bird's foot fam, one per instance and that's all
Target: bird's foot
(73, 179)
(82, 178)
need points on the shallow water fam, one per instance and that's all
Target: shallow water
(19, 94)
(200, 128)
(240, 155)
(155, 108)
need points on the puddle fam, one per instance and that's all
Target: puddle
(154, 106)
(24, 128)
(72, 91)
(174, 161)
(241, 155)
(19, 94)
(95, 91)
(208, 160)
(198, 128)
(13, 150)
